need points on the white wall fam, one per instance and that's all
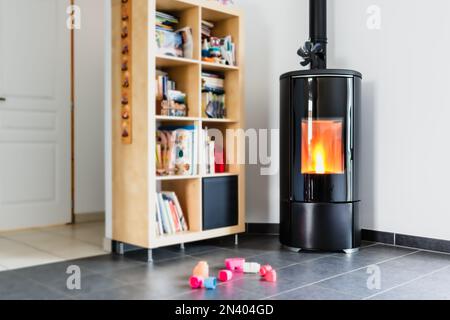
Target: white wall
(89, 112)
(405, 151)
(273, 34)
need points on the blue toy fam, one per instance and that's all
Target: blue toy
(210, 283)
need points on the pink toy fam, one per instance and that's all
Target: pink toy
(235, 264)
(264, 270)
(225, 275)
(201, 270)
(271, 276)
(196, 282)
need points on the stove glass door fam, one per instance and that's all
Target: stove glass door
(322, 147)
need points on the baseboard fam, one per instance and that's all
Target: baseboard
(89, 217)
(378, 236)
(370, 235)
(263, 228)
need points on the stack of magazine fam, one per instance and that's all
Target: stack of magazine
(169, 215)
(171, 42)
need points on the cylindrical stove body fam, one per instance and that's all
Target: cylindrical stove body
(319, 159)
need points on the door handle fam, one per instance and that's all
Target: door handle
(2, 99)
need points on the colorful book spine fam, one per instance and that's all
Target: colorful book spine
(169, 215)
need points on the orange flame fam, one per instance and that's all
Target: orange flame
(322, 147)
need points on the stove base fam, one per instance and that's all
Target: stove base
(320, 226)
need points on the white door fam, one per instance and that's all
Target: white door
(34, 114)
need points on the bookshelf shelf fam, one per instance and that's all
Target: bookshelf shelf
(135, 181)
(163, 61)
(176, 178)
(176, 119)
(210, 120)
(209, 66)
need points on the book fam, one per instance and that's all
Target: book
(178, 147)
(213, 83)
(169, 43)
(213, 95)
(175, 217)
(188, 42)
(206, 29)
(175, 104)
(160, 229)
(170, 218)
(179, 43)
(183, 221)
(168, 213)
(184, 152)
(212, 157)
(164, 218)
(214, 105)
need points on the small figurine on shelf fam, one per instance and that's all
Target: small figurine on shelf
(217, 50)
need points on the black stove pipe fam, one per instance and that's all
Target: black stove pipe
(318, 30)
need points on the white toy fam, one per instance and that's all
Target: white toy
(251, 267)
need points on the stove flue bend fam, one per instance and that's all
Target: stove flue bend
(319, 149)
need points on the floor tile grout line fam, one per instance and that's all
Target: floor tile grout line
(338, 291)
(338, 275)
(66, 295)
(193, 255)
(407, 282)
(37, 249)
(73, 238)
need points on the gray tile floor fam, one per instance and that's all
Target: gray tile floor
(404, 274)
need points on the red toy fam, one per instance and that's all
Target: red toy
(196, 282)
(235, 264)
(264, 270)
(271, 276)
(225, 275)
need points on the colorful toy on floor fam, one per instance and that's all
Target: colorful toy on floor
(201, 270)
(196, 282)
(201, 279)
(264, 269)
(252, 267)
(235, 264)
(225, 275)
(210, 283)
(271, 276)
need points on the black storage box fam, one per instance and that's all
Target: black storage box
(220, 202)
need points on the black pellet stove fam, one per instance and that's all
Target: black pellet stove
(319, 149)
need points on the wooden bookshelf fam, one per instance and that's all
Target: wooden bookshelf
(135, 182)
